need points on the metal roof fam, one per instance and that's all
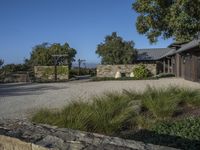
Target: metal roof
(171, 52)
(189, 45)
(152, 53)
(159, 53)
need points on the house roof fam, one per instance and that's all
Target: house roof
(170, 53)
(189, 45)
(159, 53)
(152, 54)
(177, 44)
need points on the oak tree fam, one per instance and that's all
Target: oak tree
(114, 50)
(42, 54)
(179, 19)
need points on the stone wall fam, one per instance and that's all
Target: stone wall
(48, 72)
(64, 139)
(110, 70)
(8, 143)
(16, 77)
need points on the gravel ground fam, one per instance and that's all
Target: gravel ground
(21, 100)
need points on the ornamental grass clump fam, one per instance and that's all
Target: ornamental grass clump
(107, 114)
(115, 112)
(161, 103)
(189, 97)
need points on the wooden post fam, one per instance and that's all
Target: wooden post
(164, 66)
(79, 66)
(178, 65)
(55, 69)
(168, 65)
(56, 59)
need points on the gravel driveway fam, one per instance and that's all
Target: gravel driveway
(20, 100)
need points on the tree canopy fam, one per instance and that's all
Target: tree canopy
(115, 50)
(179, 19)
(1, 62)
(42, 54)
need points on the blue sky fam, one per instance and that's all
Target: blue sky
(81, 23)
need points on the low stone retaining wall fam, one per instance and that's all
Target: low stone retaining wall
(111, 70)
(16, 77)
(63, 139)
(8, 143)
(48, 72)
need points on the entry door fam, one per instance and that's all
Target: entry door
(198, 68)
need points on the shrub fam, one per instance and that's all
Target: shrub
(111, 78)
(1, 62)
(13, 68)
(182, 134)
(103, 78)
(165, 75)
(120, 79)
(188, 128)
(141, 72)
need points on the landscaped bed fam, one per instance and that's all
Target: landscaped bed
(168, 116)
(159, 76)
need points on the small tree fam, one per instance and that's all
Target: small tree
(1, 62)
(115, 50)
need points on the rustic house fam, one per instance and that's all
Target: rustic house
(182, 59)
(153, 56)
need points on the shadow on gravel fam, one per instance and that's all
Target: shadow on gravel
(164, 140)
(26, 89)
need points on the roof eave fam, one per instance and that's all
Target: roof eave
(186, 48)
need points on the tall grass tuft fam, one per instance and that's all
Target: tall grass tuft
(107, 114)
(112, 113)
(189, 97)
(162, 103)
